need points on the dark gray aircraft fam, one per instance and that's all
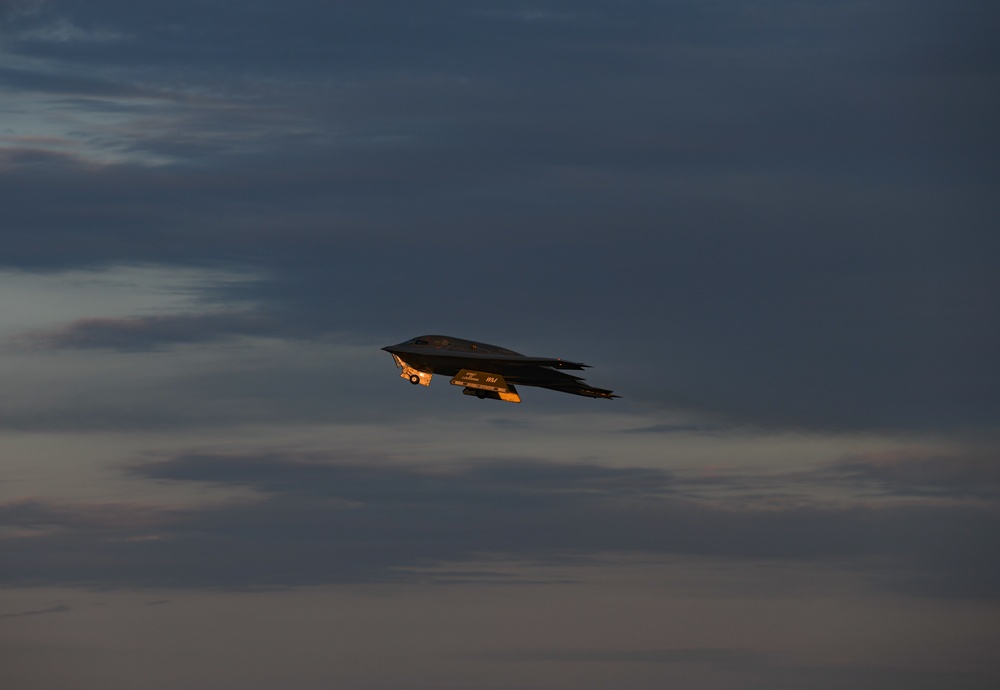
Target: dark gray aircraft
(486, 371)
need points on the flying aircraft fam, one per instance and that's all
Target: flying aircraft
(486, 371)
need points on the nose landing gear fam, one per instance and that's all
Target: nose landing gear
(414, 376)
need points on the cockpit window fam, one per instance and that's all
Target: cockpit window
(418, 341)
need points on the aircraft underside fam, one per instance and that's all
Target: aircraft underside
(499, 382)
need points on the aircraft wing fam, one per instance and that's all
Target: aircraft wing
(544, 377)
(520, 361)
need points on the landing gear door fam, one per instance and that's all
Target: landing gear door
(490, 385)
(414, 376)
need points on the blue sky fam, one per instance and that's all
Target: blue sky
(769, 226)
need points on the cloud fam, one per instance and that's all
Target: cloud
(755, 668)
(10, 9)
(743, 660)
(369, 483)
(152, 333)
(59, 608)
(320, 520)
(974, 473)
(64, 31)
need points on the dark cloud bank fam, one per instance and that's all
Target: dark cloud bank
(758, 669)
(781, 213)
(318, 522)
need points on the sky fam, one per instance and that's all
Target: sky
(770, 226)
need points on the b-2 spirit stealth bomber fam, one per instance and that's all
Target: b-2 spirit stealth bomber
(487, 371)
